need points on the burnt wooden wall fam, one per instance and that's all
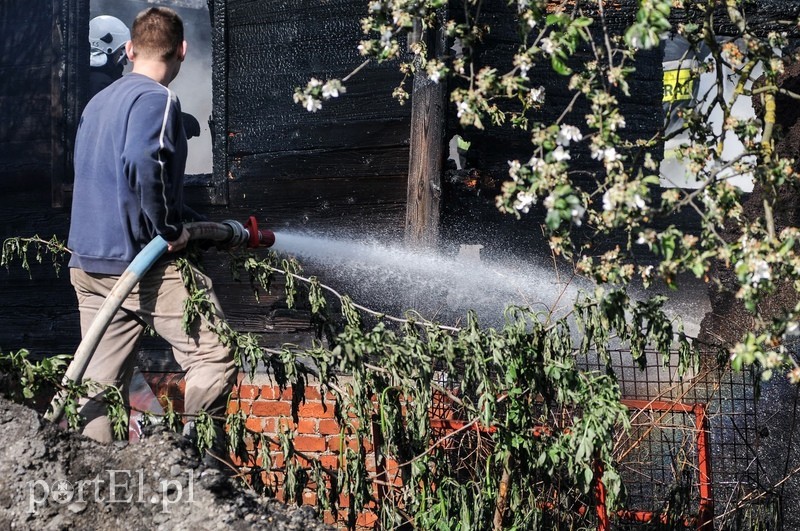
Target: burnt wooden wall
(469, 213)
(343, 167)
(340, 170)
(37, 105)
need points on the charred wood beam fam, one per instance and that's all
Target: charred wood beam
(218, 10)
(426, 150)
(69, 48)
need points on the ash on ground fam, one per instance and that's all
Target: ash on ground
(53, 480)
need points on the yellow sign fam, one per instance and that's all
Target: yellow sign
(677, 85)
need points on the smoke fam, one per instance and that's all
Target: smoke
(193, 84)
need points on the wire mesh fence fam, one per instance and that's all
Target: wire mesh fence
(690, 460)
(676, 468)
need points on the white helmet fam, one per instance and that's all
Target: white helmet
(107, 35)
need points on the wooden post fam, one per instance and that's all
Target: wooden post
(57, 136)
(219, 89)
(426, 151)
(69, 82)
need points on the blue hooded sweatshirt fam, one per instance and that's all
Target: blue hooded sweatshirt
(130, 157)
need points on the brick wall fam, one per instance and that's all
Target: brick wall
(316, 436)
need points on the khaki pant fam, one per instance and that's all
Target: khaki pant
(156, 301)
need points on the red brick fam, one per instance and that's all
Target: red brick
(264, 408)
(246, 391)
(249, 444)
(328, 518)
(254, 424)
(273, 479)
(312, 393)
(328, 427)
(329, 461)
(278, 460)
(315, 410)
(309, 444)
(268, 392)
(367, 519)
(307, 426)
(240, 405)
(274, 392)
(344, 500)
(285, 424)
(309, 498)
(269, 425)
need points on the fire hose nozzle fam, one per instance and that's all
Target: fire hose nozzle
(248, 234)
(258, 237)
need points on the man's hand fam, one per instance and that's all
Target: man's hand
(180, 243)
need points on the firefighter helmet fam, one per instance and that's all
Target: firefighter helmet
(107, 35)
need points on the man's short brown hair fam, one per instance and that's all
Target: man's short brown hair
(157, 32)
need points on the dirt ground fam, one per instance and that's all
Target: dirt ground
(54, 480)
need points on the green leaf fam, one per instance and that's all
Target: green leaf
(559, 66)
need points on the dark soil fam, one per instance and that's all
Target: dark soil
(53, 480)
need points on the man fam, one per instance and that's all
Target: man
(130, 155)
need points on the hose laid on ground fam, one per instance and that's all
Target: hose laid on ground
(228, 234)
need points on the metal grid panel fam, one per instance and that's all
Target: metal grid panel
(659, 457)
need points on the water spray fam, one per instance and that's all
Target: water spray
(229, 234)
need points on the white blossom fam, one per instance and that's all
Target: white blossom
(536, 95)
(548, 46)
(608, 203)
(567, 134)
(513, 169)
(560, 154)
(616, 122)
(332, 89)
(523, 62)
(577, 214)
(374, 7)
(435, 70)
(312, 104)
(463, 108)
(524, 201)
(607, 155)
(536, 163)
(761, 271)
